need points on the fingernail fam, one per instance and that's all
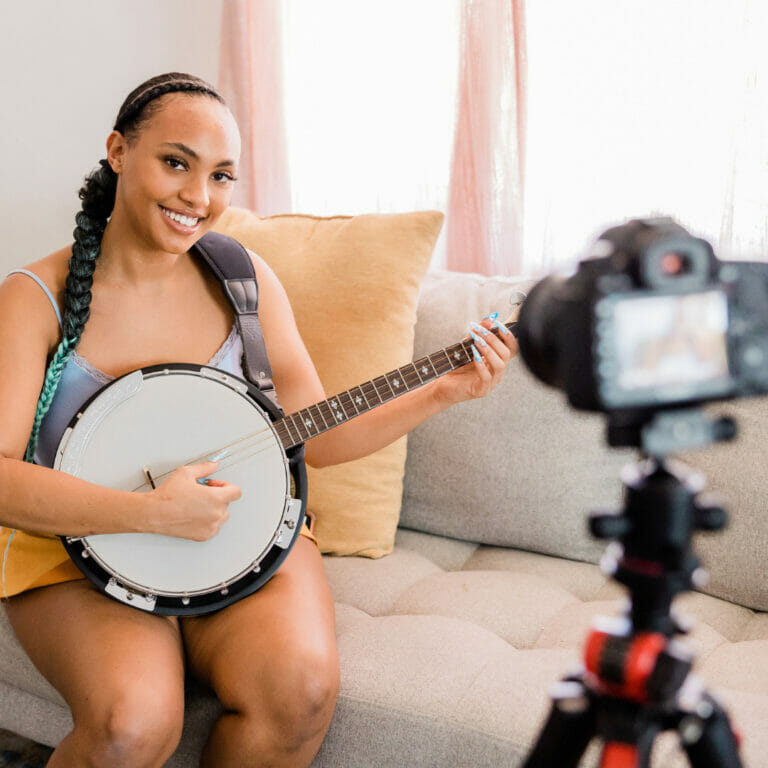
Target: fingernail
(476, 354)
(477, 339)
(503, 328)
(492, 316)
(480, 328)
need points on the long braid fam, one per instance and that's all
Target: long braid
(98, 200)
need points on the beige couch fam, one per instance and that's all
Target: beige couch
(449, 645)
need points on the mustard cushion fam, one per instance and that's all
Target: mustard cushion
(353, 283)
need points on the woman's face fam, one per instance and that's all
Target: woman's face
(176, 173)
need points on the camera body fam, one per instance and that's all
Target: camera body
(651, 320)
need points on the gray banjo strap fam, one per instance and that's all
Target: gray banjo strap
(232, 265)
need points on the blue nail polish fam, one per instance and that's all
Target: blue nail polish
(477, 339)
(492, 316)
(503, 328)
(476, 354)
(480, 328)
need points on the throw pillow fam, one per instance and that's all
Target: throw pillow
(354, 278)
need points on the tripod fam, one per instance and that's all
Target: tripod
(636, 682)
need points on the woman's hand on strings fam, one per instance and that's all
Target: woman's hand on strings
(491, 354)
(190, 509)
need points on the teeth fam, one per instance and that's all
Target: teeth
(187, 221)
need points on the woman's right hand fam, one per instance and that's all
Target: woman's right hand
(188, 509)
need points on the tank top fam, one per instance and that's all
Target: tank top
(30, 560)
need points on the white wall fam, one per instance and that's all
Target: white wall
(66, 68)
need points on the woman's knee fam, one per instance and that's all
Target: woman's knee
(299, 699)
(137, 728)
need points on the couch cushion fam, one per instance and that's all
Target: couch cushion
(473, 648)
(540, 466)
(448, 651)
(736, 557)
(549, 464)
(353, 283)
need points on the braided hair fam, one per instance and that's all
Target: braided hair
(98, 200)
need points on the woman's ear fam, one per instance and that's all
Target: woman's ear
(116, 150)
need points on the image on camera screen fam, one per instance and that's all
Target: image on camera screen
(672, 342)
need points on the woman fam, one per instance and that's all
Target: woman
(133, 296)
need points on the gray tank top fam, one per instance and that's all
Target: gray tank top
(79, 380)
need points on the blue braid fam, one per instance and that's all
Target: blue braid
(52, 376)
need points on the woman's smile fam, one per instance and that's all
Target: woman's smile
(181, 222)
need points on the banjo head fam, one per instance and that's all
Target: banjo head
(157, 419)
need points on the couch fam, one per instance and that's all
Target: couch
(449, 645)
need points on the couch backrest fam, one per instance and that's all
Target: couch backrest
(522, 469)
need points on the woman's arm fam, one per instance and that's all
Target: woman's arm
(298, 384)
(41, 500)
(386, 423)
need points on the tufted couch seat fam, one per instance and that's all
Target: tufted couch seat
(450, 644)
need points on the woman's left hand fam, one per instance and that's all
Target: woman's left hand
(491, 351)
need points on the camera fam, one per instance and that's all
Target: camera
(650, 326)
(650, 321)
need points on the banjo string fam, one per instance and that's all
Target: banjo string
(261, 446)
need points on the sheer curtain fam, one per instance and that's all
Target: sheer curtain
(630, 110)
(638, 109)
(370, 94)
(485, 217)
(251, 80)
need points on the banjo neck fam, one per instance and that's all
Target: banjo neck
(298, 427)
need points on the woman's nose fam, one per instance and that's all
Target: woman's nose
(195, 193)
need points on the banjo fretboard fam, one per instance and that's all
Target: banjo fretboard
(296, 428)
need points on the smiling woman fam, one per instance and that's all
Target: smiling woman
(134, 293)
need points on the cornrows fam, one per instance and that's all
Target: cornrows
(98, 200)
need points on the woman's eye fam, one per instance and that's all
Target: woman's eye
(224, 177)
(175, 163)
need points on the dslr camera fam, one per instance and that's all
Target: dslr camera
(650, 322)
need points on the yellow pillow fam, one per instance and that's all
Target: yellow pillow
(354, 278)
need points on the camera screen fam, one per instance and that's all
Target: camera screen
(674, 344)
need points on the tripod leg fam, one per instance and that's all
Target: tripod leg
(632, 742)
(708, 738)
(567, 731)
(617, 754)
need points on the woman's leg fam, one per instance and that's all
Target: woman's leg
(121, 671)
(271, 659)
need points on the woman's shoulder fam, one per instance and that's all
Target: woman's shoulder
(51, 269)
(265, 275)
(22, 296)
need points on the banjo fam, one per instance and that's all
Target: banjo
(141, 427)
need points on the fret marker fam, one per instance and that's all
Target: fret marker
(334, 404)
(337, 415)
(309, 423)
(425, 370)
(457, 355)
(396, 382)
(359, 400)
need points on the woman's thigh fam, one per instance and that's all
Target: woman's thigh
(100, 654)
(277, 643)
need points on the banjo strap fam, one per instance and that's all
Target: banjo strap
(232, 265)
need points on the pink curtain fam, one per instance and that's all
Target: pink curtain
(251, 80)
(485, 212)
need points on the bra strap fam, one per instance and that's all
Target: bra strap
(44, 287)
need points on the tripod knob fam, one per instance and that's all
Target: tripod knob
(710, 517)
(609, 525)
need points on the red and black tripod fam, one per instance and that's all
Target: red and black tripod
(636, 679)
